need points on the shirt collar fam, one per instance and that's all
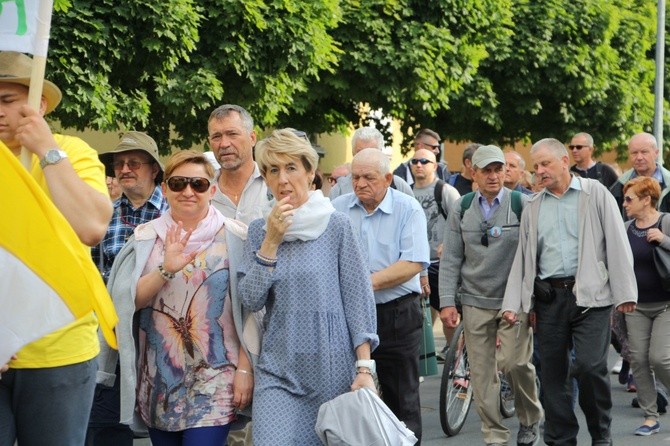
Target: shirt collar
(386, 206)
(498, 197)
(155, 199)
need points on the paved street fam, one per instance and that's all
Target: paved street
(625, 418)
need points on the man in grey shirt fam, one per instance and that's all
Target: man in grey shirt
(572, 265)
(241, 192)
(480, 241)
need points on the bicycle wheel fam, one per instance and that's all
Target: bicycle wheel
(507, 408)
(455, 388)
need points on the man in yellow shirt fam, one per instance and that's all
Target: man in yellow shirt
(46, 395)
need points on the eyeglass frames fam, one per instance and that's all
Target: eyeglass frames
(577, 146)
(423, 161)
(628, 198)
(178, 184)
(484, 227)
(132, 164)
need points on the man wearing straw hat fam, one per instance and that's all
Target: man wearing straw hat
(46, 394)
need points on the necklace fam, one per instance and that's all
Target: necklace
(231, 193)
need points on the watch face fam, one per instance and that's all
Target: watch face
(52, 156)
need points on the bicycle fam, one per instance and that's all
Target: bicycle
(456, 388)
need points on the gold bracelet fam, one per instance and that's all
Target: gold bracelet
(364, 371)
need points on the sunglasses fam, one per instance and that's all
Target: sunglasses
(628, 198)
(577, 146)
(423, 161)
(178, 184)
(132, 164)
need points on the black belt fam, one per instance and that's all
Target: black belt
(561, 282)
(399, 300)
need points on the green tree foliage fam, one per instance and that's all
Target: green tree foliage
(573, 66)
(485, 70)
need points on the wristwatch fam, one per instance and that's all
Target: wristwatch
(369, 363)
(53, 156)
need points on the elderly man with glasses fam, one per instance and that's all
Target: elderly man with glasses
(581, 148)
(481, 237)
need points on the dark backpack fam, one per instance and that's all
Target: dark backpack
(466, 202)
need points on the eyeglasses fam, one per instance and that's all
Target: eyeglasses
(423, 161)
(577, 146)
(432, 146)
(132, 164)
(628, 198)
(178, 184)
(484, 227)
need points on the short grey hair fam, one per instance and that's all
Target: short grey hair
(368, 134)
(556, 147)
(586, 136)
(522, 162)
(376, 156)
(224, 110)
(470, 150)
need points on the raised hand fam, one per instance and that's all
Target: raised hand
(174, 258)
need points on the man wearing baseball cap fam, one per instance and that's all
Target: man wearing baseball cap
(480, 240)
(46, 394)
(135, 164)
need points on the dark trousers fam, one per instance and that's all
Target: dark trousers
(104, 428)
(46, 406)
(399, 325)
(560, 325)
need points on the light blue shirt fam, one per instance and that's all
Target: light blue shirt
(558, 232)
(486, 208)
(395, 231)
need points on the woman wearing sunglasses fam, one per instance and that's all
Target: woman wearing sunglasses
(304, 264)
(180, 269)
(648, 326)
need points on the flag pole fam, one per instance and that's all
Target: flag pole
(40, 48)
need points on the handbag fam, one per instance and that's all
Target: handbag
(662, 260)
(360, 418)
(427, 357)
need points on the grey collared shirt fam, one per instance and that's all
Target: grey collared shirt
(558, 232)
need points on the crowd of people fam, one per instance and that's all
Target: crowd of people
(247, 299)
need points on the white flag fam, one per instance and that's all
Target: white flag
(19, 26)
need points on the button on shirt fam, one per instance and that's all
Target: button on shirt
(124, 221)
(395, 231)
(558, 232)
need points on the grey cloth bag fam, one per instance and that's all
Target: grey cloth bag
(361, 418)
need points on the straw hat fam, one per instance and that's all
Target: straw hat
(15, 68)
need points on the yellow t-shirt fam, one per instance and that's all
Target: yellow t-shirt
(78, 341)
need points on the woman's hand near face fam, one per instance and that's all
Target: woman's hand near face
(279, 220)
(175, 259)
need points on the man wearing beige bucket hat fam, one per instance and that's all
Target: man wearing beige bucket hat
(135, 164)
(47, 392)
